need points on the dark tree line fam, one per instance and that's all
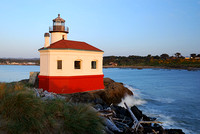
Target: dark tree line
(163, 60)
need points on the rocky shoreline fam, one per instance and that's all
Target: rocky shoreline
(154, 67)
(117, 120)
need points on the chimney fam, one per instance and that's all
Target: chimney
(46, 39)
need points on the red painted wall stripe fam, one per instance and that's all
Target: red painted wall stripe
(71, 84)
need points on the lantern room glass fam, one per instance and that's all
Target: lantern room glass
(58, 23)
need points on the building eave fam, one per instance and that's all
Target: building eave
(41, 49)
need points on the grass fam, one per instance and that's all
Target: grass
(21, 112)
(21, 109)
(80, 118)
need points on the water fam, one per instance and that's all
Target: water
(172, 96)
(9, 73)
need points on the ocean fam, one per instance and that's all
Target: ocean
(171, 96)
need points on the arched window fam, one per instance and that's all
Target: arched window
(63, 37)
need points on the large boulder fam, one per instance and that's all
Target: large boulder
(113, 93)
(33, 79)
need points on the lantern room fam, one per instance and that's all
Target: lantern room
(58, 25)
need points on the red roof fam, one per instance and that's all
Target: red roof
(69, 44)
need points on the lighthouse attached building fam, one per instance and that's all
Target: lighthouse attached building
(68, 66)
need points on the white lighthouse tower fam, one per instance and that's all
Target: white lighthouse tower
(68, 66)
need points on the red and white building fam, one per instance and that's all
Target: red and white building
(68, 66)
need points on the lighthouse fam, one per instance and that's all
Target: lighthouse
(68, 66)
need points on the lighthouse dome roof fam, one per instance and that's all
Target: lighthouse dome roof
(58, 19)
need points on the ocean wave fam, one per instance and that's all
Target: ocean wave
(167, 120)
(130, 100)
(135, 91)
(160, 100)
(169, 123)
(165, 100)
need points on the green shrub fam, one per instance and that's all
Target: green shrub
(81, 119)
(22, 112)
(73, 118)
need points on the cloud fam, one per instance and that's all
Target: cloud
(198, 2)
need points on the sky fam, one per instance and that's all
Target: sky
(118, 27)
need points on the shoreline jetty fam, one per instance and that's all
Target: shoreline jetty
(117, 120)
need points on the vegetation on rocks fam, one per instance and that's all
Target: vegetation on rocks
(22, 112)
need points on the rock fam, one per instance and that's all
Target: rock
(98, 107)
(99, 101)
(84, 97)
(139, 114)
(157, 127)
(113, 92)
(121, 126)
(108, 131)
(33, 78)
(111, 125)
(48, 96)
(107, 81)
(174, 131)
(37, 93)
(120, 110)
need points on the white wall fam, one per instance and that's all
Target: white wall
(44, 63)
(46, 42)
(56, 36)
(68, 57)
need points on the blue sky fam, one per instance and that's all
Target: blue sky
(119, 27)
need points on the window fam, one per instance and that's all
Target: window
(63, 37)
(59, 64)
(77, 64)
(93, 64)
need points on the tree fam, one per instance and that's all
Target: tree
(164, 56)
(178, 55)
(193, 55)
(156, 57)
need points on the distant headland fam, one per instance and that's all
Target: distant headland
(132, 61)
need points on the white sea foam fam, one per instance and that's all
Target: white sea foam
(132, 100)
(165, 100)
(168, 122)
